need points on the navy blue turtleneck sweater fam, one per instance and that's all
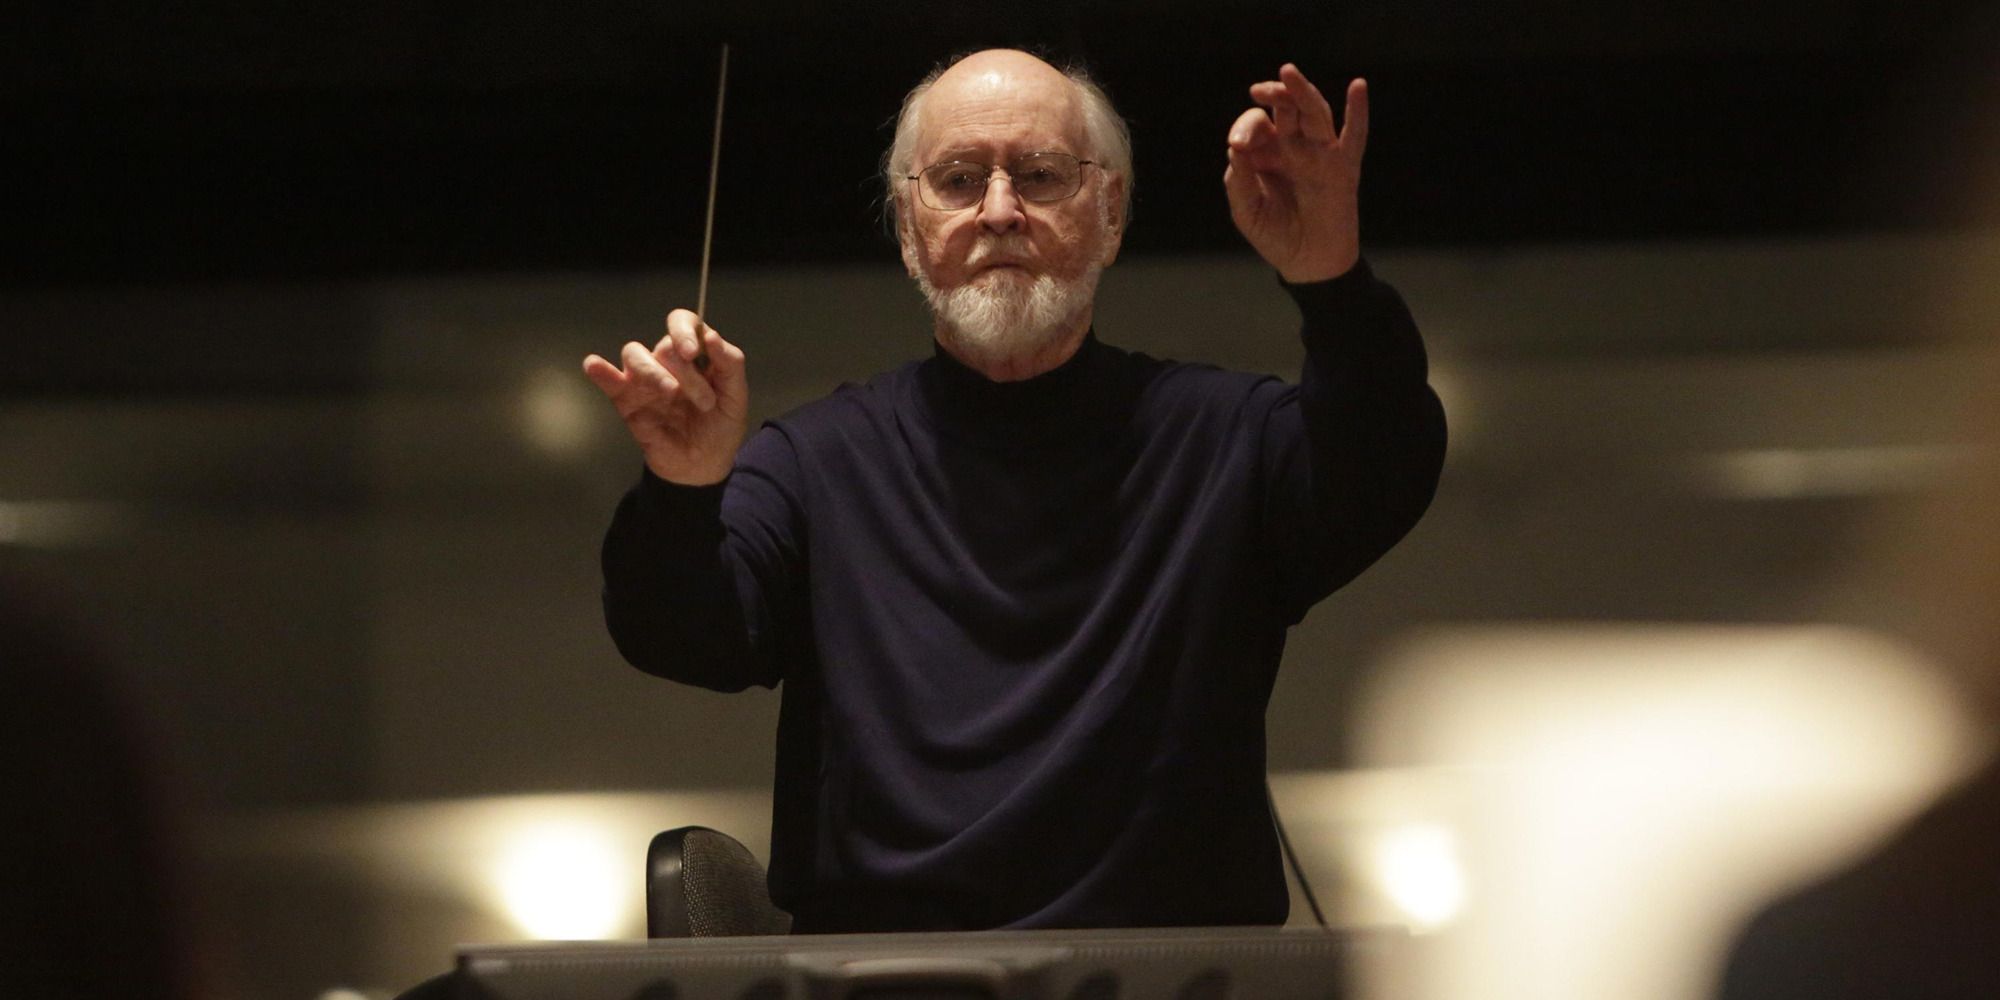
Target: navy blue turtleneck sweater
(1027, 631)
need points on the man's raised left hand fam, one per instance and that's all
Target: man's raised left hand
(1294, 179)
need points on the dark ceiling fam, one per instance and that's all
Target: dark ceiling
(227, 141)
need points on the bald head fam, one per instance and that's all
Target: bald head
(999, 70)
(1001, 79)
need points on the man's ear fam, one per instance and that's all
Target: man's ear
(1114, 217)
(906, 234)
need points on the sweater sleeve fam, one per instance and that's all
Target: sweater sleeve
(701, 583)
(1352, 455)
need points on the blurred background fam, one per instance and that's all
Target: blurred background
(301, 488)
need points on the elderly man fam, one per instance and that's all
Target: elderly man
(1027, 597)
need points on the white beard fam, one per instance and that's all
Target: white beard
(1007, 315)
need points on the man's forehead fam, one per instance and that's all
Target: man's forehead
(995, 108)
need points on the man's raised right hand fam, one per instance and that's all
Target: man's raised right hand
(688, 423)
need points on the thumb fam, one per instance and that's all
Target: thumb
(1245, 190)
(1251, 129)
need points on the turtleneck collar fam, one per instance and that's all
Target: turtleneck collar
(1067, 400)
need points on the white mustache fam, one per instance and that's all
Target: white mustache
(1006, 248)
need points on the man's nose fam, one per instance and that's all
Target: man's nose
(1000, 208)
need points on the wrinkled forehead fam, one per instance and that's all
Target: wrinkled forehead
(994, 114)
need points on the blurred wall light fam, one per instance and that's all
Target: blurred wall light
(1418, 868)
(1456, 396)
(564, 880)
(560, 411)
(1793, 473)
(61, 524)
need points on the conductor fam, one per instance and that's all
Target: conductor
(1026, 597)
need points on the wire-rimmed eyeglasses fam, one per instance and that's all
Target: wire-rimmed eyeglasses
(1037, 177)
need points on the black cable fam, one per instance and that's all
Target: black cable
(1285, 843)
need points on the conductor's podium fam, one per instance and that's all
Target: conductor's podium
(1172, 964)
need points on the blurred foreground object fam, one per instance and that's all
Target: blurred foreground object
(1601, 802)
(1919, 917)
(88, 910)
(1918, 920)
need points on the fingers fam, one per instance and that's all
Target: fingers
(684, 330)
(604, 375)
(1266, 92)
(666, 374)
(1315, 115)
(644, 371)
(1356, 116)
(1298, 108)
(1285, 115)
(677, 352)
(727, 372)
(1279, 99)
(725, 358)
